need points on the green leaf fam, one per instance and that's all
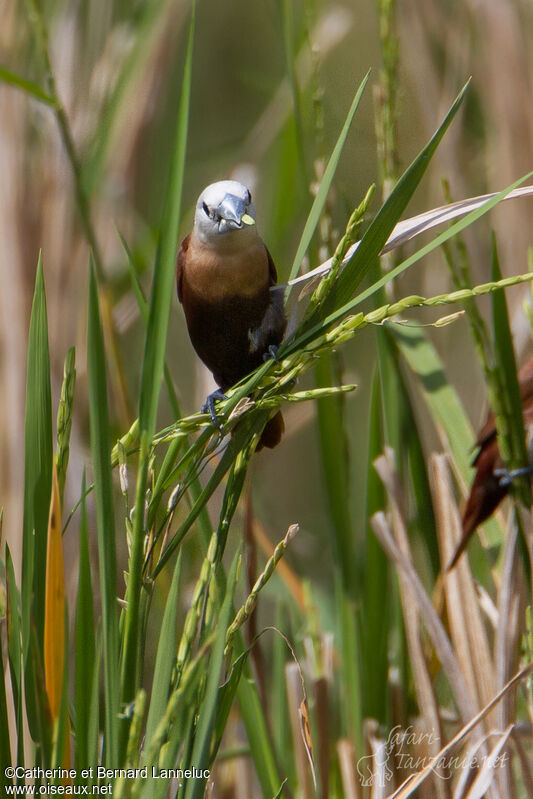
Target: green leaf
(101, 452)
(375, 607)
(287, 25)
(226, 461)
(27, 86)
(156, 337)
(256, 729)
(84, 644)
(165, 658)
(5, 747)
(381, 227)
(335, 471)
(143, 310)
(14, 651)
(508, 388)
(319, 327)
(449, 418)
(37, 465)
(325, 183)
(351, 647)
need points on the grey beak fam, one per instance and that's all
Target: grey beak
(231, 211)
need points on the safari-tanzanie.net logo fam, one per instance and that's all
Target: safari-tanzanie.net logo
(409, 751)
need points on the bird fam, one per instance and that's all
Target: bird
(492, 480)
(225, 275)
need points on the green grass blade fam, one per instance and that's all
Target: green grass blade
(37, 488)
(93, 727)
(37, 465)
(287, 25)
(101, 452)
(37, 708)
(256, 729)
(513, 442)
(154, 354)
(224, 464)
(381, 227)
(457, 227)
(84, 645)
(27, 86)
(5, 746)
(14, 651)
(325, 183)
(351, 647)
(165, 658)
(335, 471)
(202, 753)
(143, 310)
(375, 577)
(449, 417)
(279, 712)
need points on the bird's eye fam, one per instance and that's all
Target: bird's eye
(206, 209)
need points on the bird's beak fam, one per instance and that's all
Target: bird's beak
(232, 214)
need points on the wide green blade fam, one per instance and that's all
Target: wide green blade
(37, 465)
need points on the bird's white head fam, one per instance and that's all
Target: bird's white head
(224, 208)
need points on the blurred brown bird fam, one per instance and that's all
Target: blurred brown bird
(224, 277)
(491, 481)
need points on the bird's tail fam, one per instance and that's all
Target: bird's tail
(272, 432)
(485, 496)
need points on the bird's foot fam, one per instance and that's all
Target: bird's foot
(209, 406)
(271, 353)
(506, 476)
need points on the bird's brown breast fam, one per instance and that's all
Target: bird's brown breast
(228, 271)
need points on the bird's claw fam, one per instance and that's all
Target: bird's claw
(271, 353)
(506, 476)
(209, 406)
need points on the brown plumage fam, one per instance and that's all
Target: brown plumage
(487, 490)
(224, 281)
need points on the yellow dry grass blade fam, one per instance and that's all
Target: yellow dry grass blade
(54, 618)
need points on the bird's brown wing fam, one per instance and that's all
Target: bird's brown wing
(272, 271)
(486, 492)
(181, 265)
